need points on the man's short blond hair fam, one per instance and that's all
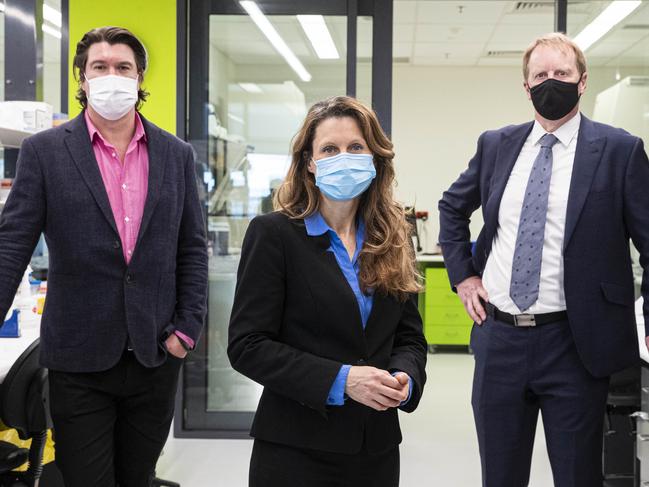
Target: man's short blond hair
(559, 41)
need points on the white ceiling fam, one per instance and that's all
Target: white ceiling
(443, 32)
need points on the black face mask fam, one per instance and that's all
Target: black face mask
(554, 99)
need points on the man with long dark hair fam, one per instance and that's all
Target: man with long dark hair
(116, 198)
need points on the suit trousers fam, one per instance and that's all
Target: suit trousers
(110, 426)
(275, 465)
(519, 372)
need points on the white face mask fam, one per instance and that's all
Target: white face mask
(112, 96)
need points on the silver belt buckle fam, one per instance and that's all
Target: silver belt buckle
(524, 320)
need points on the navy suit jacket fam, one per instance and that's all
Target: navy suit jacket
(608, 203)
(94, 299)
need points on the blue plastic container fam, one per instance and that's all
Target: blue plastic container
(10, 329)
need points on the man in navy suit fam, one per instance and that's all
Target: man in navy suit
(116, 198)
(549, 284)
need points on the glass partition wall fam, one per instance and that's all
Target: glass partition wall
(255, 68)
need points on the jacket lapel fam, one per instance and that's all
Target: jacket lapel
(508, 150)
(80, 147)
(157, 150)
(320, 245)
(588, 155)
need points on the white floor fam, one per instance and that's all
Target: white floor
(439, 446)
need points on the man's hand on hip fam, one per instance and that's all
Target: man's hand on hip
(470, 291)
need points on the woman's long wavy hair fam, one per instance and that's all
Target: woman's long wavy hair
(387, 259)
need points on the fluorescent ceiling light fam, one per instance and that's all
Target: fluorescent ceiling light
(236, 119)
(250, 87)
(52, 15)
(275, 39)
(316, 30)
(51, 31)
(609, 18)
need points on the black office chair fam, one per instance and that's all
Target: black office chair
(11, 457)
(618, 453)
(24, 406)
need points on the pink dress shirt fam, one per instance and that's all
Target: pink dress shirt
(126, 184)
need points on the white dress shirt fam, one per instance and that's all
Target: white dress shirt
(498, 271)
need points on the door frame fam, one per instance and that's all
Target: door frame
(192, 420)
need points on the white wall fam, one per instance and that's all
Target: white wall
(438, 114)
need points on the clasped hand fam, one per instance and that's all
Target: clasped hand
(377, 388)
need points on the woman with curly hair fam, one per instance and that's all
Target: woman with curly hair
(325, 314)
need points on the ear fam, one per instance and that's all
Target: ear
(83, 83)
(311, 165)
(527, 90)
(582, 83)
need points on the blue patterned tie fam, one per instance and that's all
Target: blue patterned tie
(526, 269)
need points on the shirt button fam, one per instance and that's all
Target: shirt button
(114, 155)
(127, 219)
(130, 252)
(123, 186)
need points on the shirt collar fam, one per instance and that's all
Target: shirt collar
(92, 130)
(316, 226)
(565, 133)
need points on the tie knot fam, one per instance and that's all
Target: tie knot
(548, 140)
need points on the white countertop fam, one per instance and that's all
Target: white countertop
(430, 258)
(10, 138)
(12, 348)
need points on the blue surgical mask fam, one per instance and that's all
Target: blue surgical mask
(344, 176)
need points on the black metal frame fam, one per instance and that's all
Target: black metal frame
(23, 78)
(65, 44)
(193, 62)
(560, 15)
(21, 59)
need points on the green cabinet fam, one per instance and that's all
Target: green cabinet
(445, 320)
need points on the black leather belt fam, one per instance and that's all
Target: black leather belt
(525, 320)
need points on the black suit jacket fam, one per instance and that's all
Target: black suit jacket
(295, 321)
(94, 299)
(608, 203)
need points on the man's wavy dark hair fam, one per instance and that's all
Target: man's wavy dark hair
(111, 35)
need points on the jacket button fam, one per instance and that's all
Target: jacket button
(130, 279)
(360, 362)
(116, 244)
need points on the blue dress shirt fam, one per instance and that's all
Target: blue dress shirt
(316, 226)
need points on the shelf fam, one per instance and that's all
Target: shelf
(11, 139)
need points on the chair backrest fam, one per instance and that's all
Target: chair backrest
(24, 395)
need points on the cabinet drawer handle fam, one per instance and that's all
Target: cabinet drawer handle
(643, 438)
(641, 416)
(645, 390)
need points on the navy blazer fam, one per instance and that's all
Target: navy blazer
(608, 203)
(94, 300)
(295, 321)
